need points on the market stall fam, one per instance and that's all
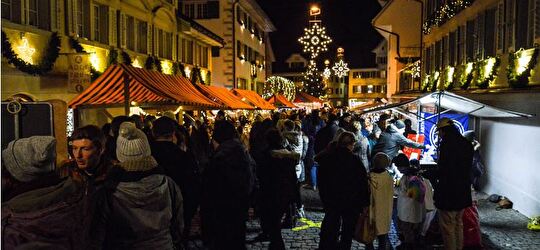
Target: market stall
(280, 101)
(253, 98)
(223, 96)
(307, 101)
(121, 88)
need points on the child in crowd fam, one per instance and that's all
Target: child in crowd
(411, 207)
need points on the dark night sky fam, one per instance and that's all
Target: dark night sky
(347, 22)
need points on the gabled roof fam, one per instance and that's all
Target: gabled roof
(305, 97)
(253, 98)
(280, 101)
(223, 96)
(145, 86)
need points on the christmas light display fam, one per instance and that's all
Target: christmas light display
(279, 85)
(340, 69)
(444, 13)
(315, 40)
(326, 73)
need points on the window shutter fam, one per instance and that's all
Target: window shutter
(149, 38)
(469, 41)
(521, 24)
(536, 19)
(123, 33)
(500, 27)
(16, 11)
(104, 24)
(452, 49)
(113, 27)
(44, 14)
(86, 19)
(510, 25)
(489, 34)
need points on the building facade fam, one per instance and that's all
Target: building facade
(293, 69)
(368, 84)
(486, 50)
(144, 33)
(245, 61)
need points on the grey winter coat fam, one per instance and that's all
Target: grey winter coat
(361, 148)
(140, 212)
(295, 142)
(390, 142)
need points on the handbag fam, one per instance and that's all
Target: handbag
(364, 231)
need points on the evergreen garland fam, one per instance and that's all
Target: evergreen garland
(47, 62)
(196, 76)
(435, 82)
(175, 68)
(516, 80)
(153, 63)
(113, 56)
(483, 82)
(208, 77)
(126, 59)
(425, 84)
(280, 85)
(466, 79)
(76, 45)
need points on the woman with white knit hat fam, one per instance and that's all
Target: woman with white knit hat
(140, 208)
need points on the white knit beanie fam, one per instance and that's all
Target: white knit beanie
(133, 150)
(29, 158)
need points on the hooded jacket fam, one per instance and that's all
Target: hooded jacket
(55, 215)
(390, 142)
(138, 210)
(295, 142)
(277, 176)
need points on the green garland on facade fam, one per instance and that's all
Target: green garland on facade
(153, 62)
(285, 87)
(126, 59)
(466, 79)
(483, 82)
(425, 83)
(208, 77)
(113, 56)
(196, 75)
(435, 82)
(47, 62)
(516, 80)
(76, 45)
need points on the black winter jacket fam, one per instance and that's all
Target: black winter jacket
(390, 142)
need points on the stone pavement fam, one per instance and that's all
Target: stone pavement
(504, 229)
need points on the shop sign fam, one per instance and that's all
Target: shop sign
(78, 72)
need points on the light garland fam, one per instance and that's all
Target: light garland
(315, 40)
(444, 13)
(25, 51)
(340, 69)
(279, 85)
(519, 77)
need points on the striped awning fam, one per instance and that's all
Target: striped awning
(281, 101)
(305, 97)
(145, 87)
(223, 96)
(253, 98)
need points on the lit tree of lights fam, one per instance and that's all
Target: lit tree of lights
(340, 68)
(279, 85)
(315, 40)
(313, 81)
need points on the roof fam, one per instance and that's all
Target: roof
(253, 98)
(280, 101)
(224, 96)
(451, 101)
(305, 97)
(145, 86)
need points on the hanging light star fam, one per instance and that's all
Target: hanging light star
(340, 68)
(25, 51)
(315, 40)
(327, 73)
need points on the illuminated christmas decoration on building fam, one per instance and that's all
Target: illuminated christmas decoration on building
(327, 73)
(416, 69)
(188, 72)
(315, 40)
(340, 69)
(25, 51)
(279, 85)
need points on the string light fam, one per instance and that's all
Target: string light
(340, 68)
(279, 85)
(25, 51)
(327, 73)
(315, 40)
(188, 72)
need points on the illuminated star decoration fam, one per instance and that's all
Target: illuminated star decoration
(26, 52)
(327, 73)
(311, 69)
(340, 68)
(315, 40)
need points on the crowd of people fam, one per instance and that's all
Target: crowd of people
(137, 183)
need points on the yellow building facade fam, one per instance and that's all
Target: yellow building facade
(105, 32)
(245, 61)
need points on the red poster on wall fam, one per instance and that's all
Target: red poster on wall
(414, 153)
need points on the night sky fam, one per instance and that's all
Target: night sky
(347, 22)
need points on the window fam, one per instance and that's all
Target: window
(522, 11)
(6, 9)
(204, 62)
(97, 26)
(510, 20)
(215, 51)
(32, 9)
(142, 35)
(452, 49)
(470, 36)
(242, 83)
(461, 45)
(189, 51)
(239, 49)
(489, 35)
(130, 33)
(167, 50)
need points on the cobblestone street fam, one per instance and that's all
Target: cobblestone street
(503, 229)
